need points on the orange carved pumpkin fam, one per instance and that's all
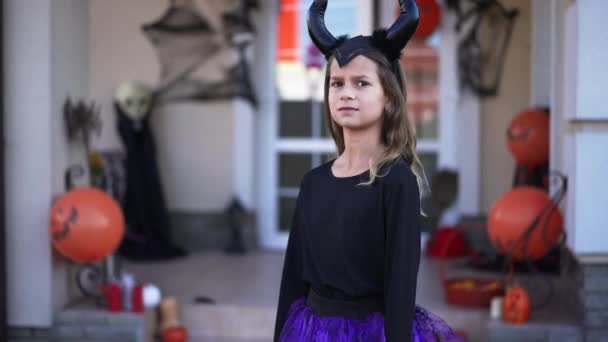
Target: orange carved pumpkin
(513, 213)
(516, 305)
(175, 334)
(528, 137)
(86, 225)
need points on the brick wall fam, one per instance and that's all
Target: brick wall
(89, 325)
(594, 298)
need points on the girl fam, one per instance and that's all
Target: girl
(352, 258)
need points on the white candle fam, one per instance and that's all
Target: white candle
(496, 308)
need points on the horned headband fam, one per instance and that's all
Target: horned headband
(388, 42)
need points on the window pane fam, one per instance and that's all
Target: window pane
(325, 157)
(425, 121)
(322, 158)
(429, 162)
(295, 119)
(298, 77)
(325, 133)
(325, 130)
(286, 207)
(292, 167)
(421, 65)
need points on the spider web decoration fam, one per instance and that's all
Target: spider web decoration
(480, 67)
(186, 43)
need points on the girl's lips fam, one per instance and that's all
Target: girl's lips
(347, 108)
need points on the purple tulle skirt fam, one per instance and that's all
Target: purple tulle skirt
(303, 325)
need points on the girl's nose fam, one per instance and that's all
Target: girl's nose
(347, 94)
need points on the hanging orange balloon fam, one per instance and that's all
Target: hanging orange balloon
(86, 225)
(512, 215)
(528, 137)
(516, 305)
(430, 14)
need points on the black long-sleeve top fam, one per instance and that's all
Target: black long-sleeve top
(360, 241)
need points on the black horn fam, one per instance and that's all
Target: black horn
(319, 34)
(405, 26)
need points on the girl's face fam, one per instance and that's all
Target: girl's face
(356, 98)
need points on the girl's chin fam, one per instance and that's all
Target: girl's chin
(346, 121)
(355, 126)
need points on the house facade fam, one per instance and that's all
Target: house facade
(214, 150)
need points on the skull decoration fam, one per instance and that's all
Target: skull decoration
(134, 99)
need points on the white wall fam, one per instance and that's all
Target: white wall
(592, 53)
(587, 126)
(579, 122)
(497, 164)
(69, 77)
(195, 140)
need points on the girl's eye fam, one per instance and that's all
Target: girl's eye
(336, 84)
(362, 84)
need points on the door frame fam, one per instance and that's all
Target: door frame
(3, 309)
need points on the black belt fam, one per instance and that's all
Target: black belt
(358, 308)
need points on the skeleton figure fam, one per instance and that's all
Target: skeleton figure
(148, 233)
(485, 27)
(134, 100)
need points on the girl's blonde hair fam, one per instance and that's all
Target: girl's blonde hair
(398, 134)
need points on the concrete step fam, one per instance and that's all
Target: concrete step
(228, 323)
(555, 321)
(226, 339)
(534, 332)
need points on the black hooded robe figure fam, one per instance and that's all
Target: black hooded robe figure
(148, 232)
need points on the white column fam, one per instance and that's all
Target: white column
(69, 77)
(45, 56)
(243, 153)
(560, 63)
(541, 52)
(469, 156)
(266, 128)
(28, 178)
(365, 17)
(387, 13)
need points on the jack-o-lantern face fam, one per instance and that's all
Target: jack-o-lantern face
(86, 225)
(516, 305)
(528, 137)
(175, 334)
(61, 219)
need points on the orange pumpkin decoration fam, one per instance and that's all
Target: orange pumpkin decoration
(511, 216)
(86, 225)
(175, 334)
(430, 16)
(516, 305)
(528, 137)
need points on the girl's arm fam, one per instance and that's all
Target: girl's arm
(292, 284)
(402, 213)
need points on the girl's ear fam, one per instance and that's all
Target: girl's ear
(388, 104)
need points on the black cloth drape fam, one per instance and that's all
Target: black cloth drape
(148, 234)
